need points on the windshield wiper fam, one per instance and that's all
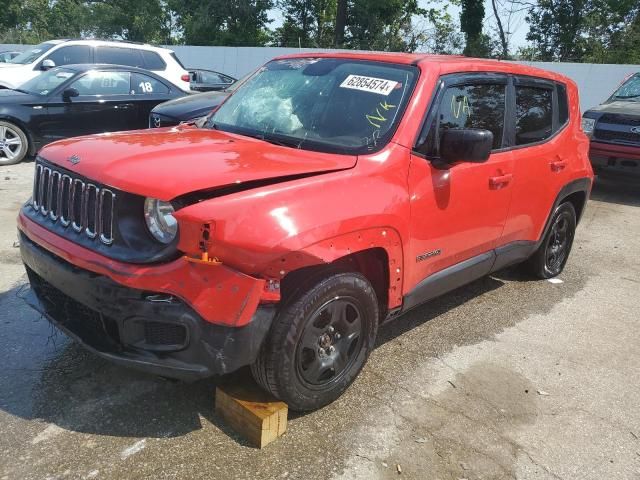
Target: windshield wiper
(275, 141)
(21, 91)
(626, 96)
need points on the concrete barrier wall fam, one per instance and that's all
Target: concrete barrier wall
(596, 82)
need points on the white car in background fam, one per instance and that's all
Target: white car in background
(55, 53)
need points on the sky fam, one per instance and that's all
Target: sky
(517, 26)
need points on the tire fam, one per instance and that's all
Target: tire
(552, 254)
(14, 144)
(319, 342)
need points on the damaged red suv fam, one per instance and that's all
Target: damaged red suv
(326, 196)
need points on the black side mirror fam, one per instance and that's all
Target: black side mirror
(69, 93)
(466, 145)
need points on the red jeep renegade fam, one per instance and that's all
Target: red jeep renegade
(327, 195)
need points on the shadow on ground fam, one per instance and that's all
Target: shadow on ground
(618, 190)
(53, 379)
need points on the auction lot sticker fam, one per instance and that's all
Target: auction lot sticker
(369, 84)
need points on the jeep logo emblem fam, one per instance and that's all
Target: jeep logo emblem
(74, 159)
(635, 129)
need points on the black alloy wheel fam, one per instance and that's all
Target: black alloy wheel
(319, 341)
(552, 255)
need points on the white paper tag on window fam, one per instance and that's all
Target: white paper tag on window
(369, 84)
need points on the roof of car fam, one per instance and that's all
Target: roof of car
(84, 67)
(447, 63)
(113, 43)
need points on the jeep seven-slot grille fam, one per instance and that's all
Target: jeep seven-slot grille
(82, 206)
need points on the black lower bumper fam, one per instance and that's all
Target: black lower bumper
(145, 330)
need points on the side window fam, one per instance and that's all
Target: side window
(563, 104)
(211, 78)
(103, 83)
(71, 55)
(153, 61)
(145, 85)
(472, 106)
(119, 56)
(534, 114)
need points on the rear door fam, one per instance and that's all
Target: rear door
(104, 104)
(148, 92)
(458, 212)
(540, 153)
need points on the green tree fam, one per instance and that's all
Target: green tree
(471, 22)
(600, 31)
(222, 22)
(307, 23)
(139, 21)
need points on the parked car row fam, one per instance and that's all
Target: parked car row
(67, 88)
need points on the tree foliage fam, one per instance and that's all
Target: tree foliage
(559, 30)
(601, 31)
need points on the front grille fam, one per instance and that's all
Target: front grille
(617, 136)
(85, 207)
(620, 119)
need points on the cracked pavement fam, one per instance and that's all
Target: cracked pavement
(505, 378)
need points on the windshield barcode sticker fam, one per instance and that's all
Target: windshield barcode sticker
(369, 84)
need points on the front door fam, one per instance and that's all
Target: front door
(104, 104)
(458, 211)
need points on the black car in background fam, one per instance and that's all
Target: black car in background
(209, 81)
(614, 128)
(190, 108)
(77, 100)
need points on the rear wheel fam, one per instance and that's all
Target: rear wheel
(14, 144)
(319, 342)
(552, 255)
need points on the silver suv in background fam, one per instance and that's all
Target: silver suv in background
(55, 53)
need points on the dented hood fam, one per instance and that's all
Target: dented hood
(166, 163)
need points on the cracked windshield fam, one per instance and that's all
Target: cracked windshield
(342, 106)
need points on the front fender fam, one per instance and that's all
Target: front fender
(271, 231)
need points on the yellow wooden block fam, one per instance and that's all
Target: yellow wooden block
(252, 412)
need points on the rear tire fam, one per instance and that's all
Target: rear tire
(14, 144)
(319, 342)
(552, 254)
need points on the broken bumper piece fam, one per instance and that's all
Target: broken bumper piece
(151, 331)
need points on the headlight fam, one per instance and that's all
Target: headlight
(160, 220)
(588, 125)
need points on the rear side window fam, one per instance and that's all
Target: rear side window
(472, 106)
(71, 55)
(563, 104)
(103, 83)
(146, 85)
(119, 56)
(152, 60)
(534, 114)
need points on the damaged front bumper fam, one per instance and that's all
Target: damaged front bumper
(150, 330)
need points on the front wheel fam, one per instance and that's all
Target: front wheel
(552, 255)
(319, 342)
(14, 144)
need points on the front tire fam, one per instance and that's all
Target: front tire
(552, 255)
(319, 342)
(14, 144)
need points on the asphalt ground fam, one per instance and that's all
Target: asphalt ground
(504, 378)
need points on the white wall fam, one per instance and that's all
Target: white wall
(596, 82)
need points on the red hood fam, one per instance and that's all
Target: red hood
(166, 163)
